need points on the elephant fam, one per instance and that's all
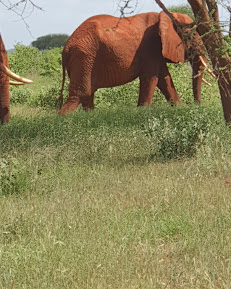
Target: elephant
(106, 51)
(5, 74)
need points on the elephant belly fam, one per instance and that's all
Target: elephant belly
(115, 71)
(113, 76)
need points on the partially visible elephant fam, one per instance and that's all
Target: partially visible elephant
(105, 51)
(5, 74)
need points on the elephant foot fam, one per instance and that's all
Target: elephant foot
(87, 102)
(69, 107)
(147, 103)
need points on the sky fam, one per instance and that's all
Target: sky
(63, 17)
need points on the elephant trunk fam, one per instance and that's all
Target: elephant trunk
(4, 99)
(5, 74)
(4, 86)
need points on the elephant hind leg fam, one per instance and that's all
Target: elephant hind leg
(78, 94)
(81, 89)
(147, 88)
(70, 105)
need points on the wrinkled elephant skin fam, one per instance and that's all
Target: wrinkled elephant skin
(4, 86)
(105, 51)
(5, 74)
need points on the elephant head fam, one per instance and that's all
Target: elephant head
(181, 43)
(5, 74)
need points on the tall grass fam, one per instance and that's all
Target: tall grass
(119, 197)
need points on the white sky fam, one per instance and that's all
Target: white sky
(63, 17)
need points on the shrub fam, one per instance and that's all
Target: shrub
(13, 177)
(25, 60)
(51, 62)
(178, 133)
(47, 96)
(126, 94)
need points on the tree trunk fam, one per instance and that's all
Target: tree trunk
(229, 21)
(229, 9)
(210, 32)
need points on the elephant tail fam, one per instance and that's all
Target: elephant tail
(60, 100)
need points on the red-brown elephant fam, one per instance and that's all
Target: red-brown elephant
(105, 51)
(5, 74)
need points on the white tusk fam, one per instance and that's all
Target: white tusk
(206, 67)
(16, 82)
(211, 73)
(9, 73)
(203, 62)
(206, 82)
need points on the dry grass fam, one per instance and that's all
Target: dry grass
(81, 214)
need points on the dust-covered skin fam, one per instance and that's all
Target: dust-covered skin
(106, 51)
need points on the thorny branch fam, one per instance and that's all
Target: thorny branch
(127, 5)
(22, 8)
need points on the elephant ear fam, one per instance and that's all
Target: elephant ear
(172, 46)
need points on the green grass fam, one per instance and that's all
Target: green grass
(131, 227)
(118, 197)
(88, 201)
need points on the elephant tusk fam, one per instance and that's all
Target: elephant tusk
(16, 82)
(211, 73)
(203, 62)
(206, 67)
(206, 82)
(9, 73)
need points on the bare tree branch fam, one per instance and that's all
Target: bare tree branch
(127, 5)
(22, 8)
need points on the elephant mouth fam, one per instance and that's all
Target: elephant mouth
(19, 80)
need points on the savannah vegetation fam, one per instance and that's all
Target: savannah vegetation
(50, 41)
(118, 197)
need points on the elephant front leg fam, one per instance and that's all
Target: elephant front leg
(166, 85)
(147, 88)
(87, 102)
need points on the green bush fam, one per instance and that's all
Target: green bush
(28, 60)
(21, 95)
(178, 133)
(13, 177)
(183, 8)
(47, 96)
(25, 60)
(51, 62)
(123, 95)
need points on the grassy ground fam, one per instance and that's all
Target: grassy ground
(90, 200)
